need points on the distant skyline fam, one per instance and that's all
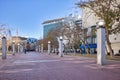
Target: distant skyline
(27, 15)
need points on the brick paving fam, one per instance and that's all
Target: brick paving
(36, 66)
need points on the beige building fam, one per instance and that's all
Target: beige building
(89, 19)
(20, 40)
(115, 42)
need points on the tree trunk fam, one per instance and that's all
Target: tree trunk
(86, 50)
(108, 44)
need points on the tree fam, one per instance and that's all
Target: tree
(109, 11)
(51, 36)
(73, 32)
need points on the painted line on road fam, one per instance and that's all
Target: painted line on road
(23, 61)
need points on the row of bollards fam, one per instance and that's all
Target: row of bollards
(100, 46)
(4, 48)
(60, 47)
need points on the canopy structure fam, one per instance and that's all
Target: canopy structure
(89, 46)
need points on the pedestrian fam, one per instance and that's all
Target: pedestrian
(57, 52)
(25, 51)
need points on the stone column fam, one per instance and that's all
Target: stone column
(22, 48)
(41, 48)
(49, 47)
(13, 47)
(61, 47)
(4, 48)
(101, 46)
(18, 47)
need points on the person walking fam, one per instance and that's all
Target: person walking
(25, 51)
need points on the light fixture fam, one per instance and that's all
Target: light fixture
(61, 38)
(49, 42)
(101, 23)
(13, 41)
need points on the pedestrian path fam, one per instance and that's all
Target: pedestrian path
(36, 66)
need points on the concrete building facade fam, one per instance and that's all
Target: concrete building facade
(51, 24)
(89, 20)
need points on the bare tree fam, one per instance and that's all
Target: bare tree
(73, 32)
(109, 11)
(51, 36)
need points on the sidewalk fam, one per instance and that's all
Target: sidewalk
(36, 66)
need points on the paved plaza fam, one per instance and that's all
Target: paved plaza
(37, 66)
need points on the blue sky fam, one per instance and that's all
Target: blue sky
(27, 15)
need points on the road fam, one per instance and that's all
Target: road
(36, 66)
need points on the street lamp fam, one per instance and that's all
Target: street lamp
(49, 47)
(101, 23)
(61, 38)
(22, 46)
(61, 47)
(41, 48)
(4, 47)
(18, 47)
(13, 47)
(101, 43)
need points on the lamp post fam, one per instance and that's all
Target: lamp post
(18, 47)
(13, 47)
(4, 47)
(49, 47)
(21, 47)
(41, 48)
(101, 43)
(61, 47)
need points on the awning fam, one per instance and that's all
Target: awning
(89, 46)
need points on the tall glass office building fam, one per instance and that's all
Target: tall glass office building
(50, 24)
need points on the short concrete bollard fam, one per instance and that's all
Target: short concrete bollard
(13, 48)
(101, 45)
(49, 47)
(41, 48)
(4, 48)
(61, 47)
